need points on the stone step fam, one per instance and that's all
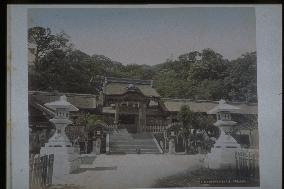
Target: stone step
(120, 152)
(134, 146)
(121, 138)
(133, 150)
(123, 153)
(131, 142)
(123, 142)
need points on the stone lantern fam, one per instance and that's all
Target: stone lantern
(98, 135)
(171, 135)
(223, 153)
(59, 144)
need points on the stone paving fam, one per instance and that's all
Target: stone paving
(129, 171)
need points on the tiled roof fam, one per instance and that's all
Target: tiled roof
(174, 105)
(121, 88)
(88, 101)
(62, 102)
(128, 81)
(223, 106)
(81, 101)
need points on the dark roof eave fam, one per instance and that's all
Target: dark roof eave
(128, 91)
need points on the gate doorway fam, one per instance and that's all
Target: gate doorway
(180, 147)
(128, 122)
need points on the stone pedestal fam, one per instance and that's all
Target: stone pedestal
(94, 147)
(223, 153)
(172, 149)
(77, 149)
(97, 146)
(65, 160)
(116, 115)
(107, 144)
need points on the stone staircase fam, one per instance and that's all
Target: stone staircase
(122, 142)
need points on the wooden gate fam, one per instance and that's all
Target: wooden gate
(247, 163)
(41, 170)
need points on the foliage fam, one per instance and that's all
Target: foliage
(185, 116)
(194, 120)
(241, 80)
(197, 121)
(195, 75)
(45, 42)
(88, 120)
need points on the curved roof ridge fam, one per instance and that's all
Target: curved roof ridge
(61, 93)
(204, 100)
(128, 80)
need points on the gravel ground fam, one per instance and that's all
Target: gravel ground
(128, 171)
(65, 186)
(191, 178)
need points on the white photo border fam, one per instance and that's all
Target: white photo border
(269, 85)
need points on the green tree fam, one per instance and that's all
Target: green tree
(49, 50)
(210, 90)
(186, 117)
(212, 66)
(89, 121)
(241, 82)
(44, 41)
(195, 75)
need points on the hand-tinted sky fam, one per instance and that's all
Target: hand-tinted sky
(151, 35)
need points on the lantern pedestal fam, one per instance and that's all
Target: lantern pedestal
(96, 146)
(172, 149)
(223, 153)
(65, 159)
(59, 139)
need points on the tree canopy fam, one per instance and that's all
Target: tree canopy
(186, 117)
(195, 75)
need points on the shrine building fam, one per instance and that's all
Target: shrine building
(136, 106)
(131, 104)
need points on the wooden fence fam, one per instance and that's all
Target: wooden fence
(154, 128)
(247, 163)
(110, 126)
(41, 170)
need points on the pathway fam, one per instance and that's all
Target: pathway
(129, 171)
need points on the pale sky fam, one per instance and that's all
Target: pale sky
(151, 35)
